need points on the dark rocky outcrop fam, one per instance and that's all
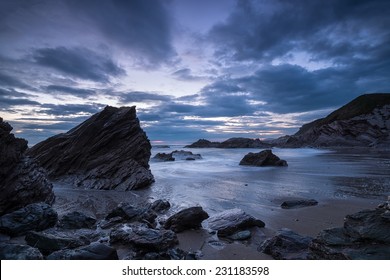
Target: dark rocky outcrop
(48, 243)
(263, 158)
(190, 218)
(230, 221)
(130, 213)
(287, 245)
(365, 235)
(22, 181)
(298, 203)
(76, 220)
(94, 251)
(107, 151)
(164, 157)
(236, 142)
(364, 122)
(33, 217)
(19, 252)
(177, 155)
(160, 205)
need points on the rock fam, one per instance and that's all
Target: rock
(190, 218)
(365, 235)
(76, 220)
(105, 224)
(298, 203)
(19, 252)
(36, 217)
(22, 181)
(160, 205)
(231, 221)
(94, 251)
(130, 213)
(363, 122)
(287, 245)
(240, 235)
(203, 143)
(142, 238)
(264, 158)
(171, 254)
(107, 151)
(164, 157)
(237, 142)
(48, 243)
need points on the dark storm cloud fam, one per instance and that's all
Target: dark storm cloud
(9, 98)
(70, 90)
(9, 81)
(143, 26)
(80, 62)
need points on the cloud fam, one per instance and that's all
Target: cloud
(141, 96)
(9, 98)
(185, 74)
(70, 109)
(78, 62)
(70, 90)
(8, 81)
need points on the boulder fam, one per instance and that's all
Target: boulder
(190, 218)
(94, 251)
(19, 252)
(160, 205)
(76, 220)
(287, 245)
(177, 155)
(142, 238)
(164, 157)
(36, 217)
(240, 235)
(264, 158)
(298, 203)
(48, 243)
(129, 213)
(107, 151)
(230, 221)
(22, 181)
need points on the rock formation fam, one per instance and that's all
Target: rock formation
(264, 158)
(177, 155)
(22, 181)
(237, 142)
(364, 122)
(298, 203)
(107, 151)
(189, 218)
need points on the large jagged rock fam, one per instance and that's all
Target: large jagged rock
(22, 181)
(364, 122)
(107, 151)
(189, 218)
(235, 142)
(263, 158)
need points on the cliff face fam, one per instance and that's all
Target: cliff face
(22, 181)
(107, 151)
(364, 122)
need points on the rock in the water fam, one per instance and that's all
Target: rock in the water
(76, 220)
(190, 218)
(203, 143)
(264, 158)
(19, 252)
(287, 245)
(164, 157)
(48, 243)
(36, 216)
(22, 181)
(160, 205)
(129, 213)
(94, 251)
(298, 203)
(231, 221)
(236, 142)
(142, 238)
(107, 151)
(365, 235)
(177, 155)
(240, 235)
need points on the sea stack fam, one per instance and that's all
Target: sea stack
(107, 151)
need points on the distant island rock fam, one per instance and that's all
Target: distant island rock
(22, 181)
(363, 122)
(107, 151)
(177, 155)
(263, 158)
(236, 142)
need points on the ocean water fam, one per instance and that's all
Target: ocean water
(217, 182)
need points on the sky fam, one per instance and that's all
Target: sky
(194, 69)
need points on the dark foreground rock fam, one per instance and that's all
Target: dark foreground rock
(36, 217)
(264, 158)
(287, 245)
(190, 218)
(130, 213)
(365, 235)
(160, 205)
(76, 220)
(298, 203)
(22, 181)
(230, 221)
(19, 252)
(107, 151)
(94, 251)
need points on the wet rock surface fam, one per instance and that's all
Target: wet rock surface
(19, 252)
(94, 251)
(263, 158)
(107, 151)
(298, 203)
(177, 155)
(76, 220)
(130, 213)
(230, 221)
(190, 218)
